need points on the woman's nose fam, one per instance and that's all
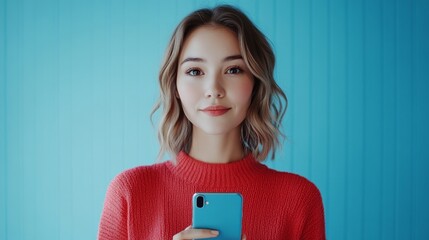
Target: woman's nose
(215, 89)
(214, 94)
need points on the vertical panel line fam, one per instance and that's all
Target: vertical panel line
(5, 174)
(362, 222)
(346, 85)
(58, 118)
(292, 85)
(274, 39)
(413, 155)
(310, 79)
(395, 80)
(382, 83)
(92, 91)
(328, 73)
(382, 159)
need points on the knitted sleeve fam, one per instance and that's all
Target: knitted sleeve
(113, 223)
(314, 225)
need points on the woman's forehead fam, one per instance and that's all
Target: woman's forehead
(210, 43)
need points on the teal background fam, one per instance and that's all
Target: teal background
(78, 80)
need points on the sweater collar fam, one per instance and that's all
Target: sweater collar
(201, 173)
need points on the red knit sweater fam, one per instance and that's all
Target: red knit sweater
(155, 202)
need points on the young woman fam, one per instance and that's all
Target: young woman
(221, 115)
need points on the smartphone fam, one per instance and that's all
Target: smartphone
(218, 211)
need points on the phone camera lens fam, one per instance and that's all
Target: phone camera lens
(200, 201)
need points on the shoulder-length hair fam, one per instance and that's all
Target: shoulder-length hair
(260, 131)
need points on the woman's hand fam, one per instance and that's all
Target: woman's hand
(191, 233)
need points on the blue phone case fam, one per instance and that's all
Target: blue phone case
(220, 211)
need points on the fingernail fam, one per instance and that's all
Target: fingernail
(214, 232)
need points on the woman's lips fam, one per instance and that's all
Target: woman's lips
(215, 110)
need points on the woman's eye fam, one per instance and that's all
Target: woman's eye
(234, 70)
(193, 72)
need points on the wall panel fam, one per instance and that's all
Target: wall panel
(78, 80)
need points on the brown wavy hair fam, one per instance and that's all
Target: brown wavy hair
(260, 130)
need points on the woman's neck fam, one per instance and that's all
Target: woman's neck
(219, 148)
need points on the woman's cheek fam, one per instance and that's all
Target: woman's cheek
(243, 91)
(188, 94)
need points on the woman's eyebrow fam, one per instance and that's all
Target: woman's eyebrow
(195, 59)
(192, 59)
(233, 57)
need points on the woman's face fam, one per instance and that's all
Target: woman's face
(213, 81)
